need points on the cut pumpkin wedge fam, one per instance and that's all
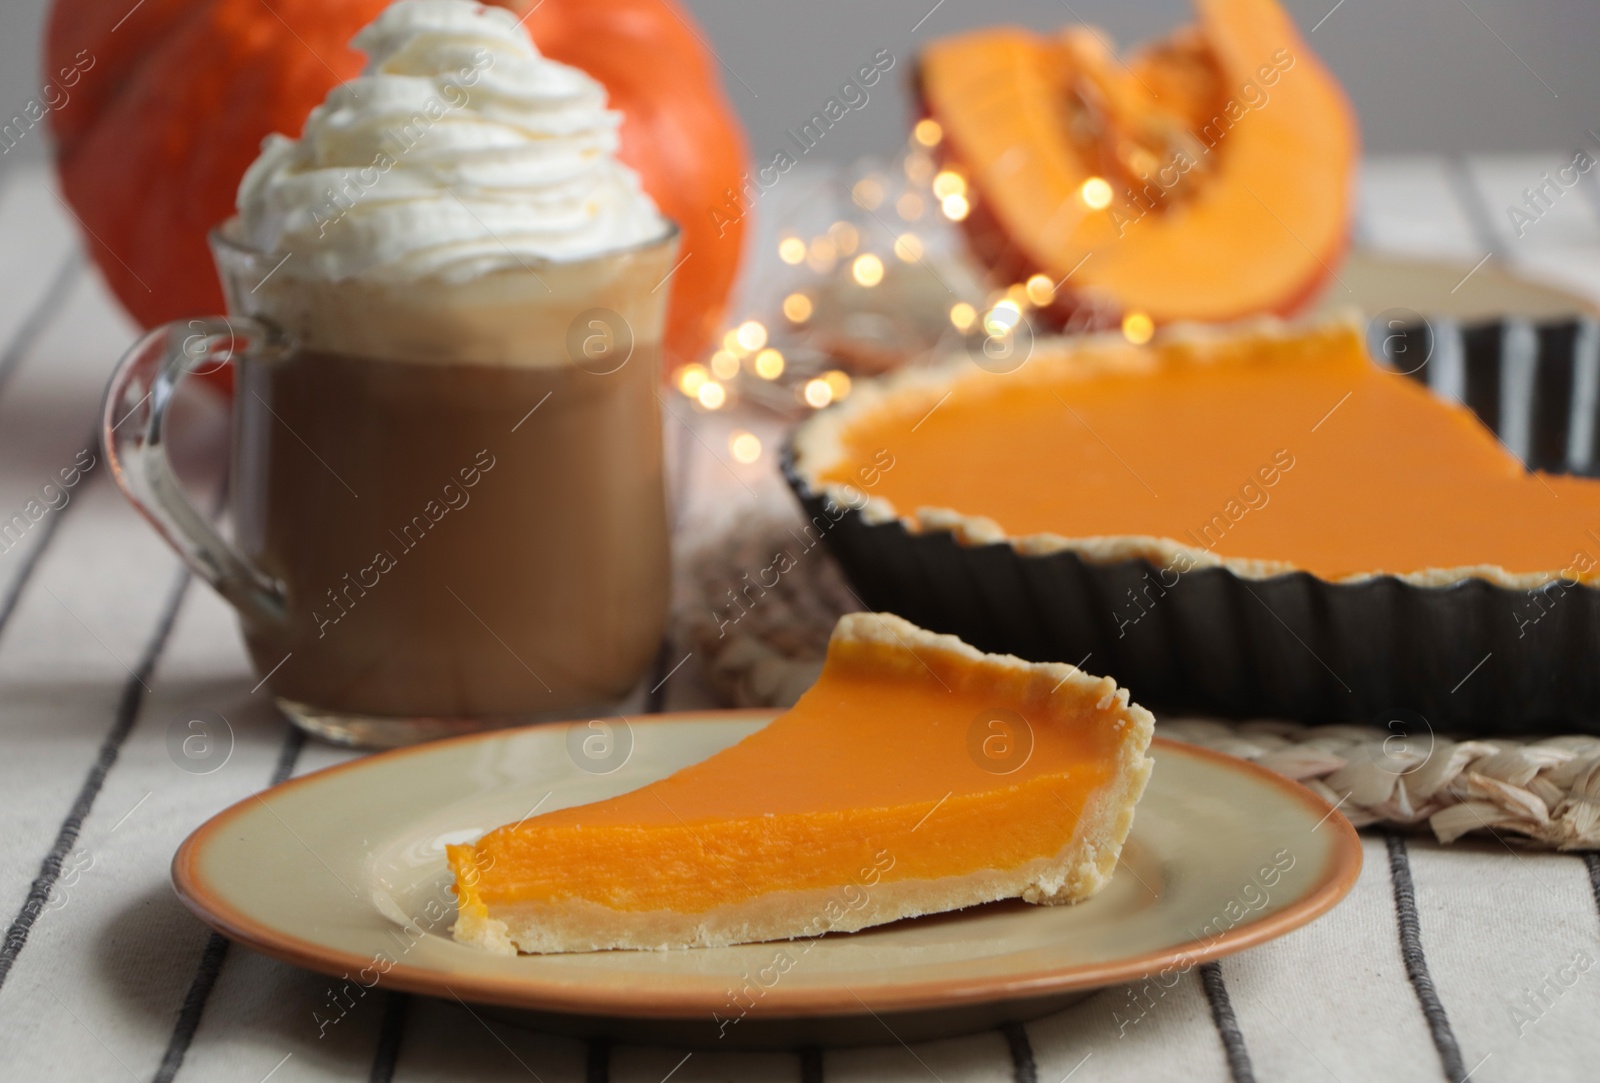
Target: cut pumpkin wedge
(1228, 149)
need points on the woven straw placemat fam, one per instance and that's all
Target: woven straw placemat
(763, 597)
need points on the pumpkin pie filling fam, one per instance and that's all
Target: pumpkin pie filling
(916, 776)
(1266, 450)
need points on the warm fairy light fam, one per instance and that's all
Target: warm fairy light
(751, 335)
(690, 379)
(730, 340)
(769, 364)
(838, 383)
(868, 192)
(724, 365)
(1041, 291)
(744, 446)
(844, 237)
(955, 207)
(1095, 193)
(927, 132)
(919, 167)
(797, 308)
(791, 250)
(867, 270)
(818, 394)
(908, 246)
(909, 206)
(1017, 294)
(1137, 328)
(711, 395)
(821, 255)
(1000, 319)
(962, 315)
(949, 184)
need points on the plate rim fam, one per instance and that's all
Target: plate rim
(564, 998)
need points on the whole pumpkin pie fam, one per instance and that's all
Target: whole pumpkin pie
(917, 776)
(1264, 450)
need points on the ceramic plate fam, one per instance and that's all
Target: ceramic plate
(343, 871)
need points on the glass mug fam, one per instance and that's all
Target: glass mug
(447, 498)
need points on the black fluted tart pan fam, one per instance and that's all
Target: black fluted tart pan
(1472, 657)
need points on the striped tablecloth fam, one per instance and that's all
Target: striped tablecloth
(1444, 962)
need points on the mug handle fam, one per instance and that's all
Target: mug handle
(133, 433)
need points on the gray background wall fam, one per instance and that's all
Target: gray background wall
(1456, 76)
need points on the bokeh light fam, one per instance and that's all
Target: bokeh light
(769, 364)
(1000, 319)
(797, 308)
(744, 446)
(868, 192)
(1137, 328)
(690, 377)
(724, 365)
(751, 335)
(867, 270)
(1095, 193)
(844, 237)
(949, 184)
(821, 255)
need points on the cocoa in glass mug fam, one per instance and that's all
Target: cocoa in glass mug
(447, 498)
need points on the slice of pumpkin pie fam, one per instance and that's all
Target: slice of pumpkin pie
(916, 776)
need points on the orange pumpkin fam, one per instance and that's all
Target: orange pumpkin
(1208, 177)
(173, 99)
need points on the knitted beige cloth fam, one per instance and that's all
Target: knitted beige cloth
(762, 646)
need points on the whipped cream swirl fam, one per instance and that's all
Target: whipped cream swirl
(458, 152)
